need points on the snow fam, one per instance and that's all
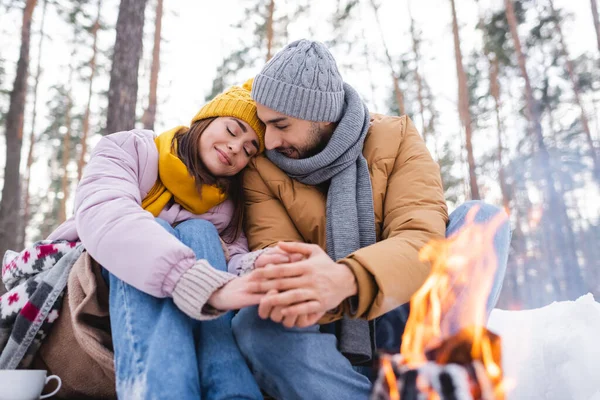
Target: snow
(553, 352)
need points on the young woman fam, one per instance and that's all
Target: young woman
(163, 216)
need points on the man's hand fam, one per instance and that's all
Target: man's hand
(299, 293)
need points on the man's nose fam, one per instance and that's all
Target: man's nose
(272, 139)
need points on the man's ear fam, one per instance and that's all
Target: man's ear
(328, 127)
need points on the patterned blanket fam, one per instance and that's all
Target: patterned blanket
(36, 280)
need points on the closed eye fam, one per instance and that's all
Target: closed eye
(230, 132)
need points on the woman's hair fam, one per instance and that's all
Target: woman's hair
(188, 145)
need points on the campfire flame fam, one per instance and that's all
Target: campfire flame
(448, 301)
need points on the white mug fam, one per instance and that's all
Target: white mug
(25, 384)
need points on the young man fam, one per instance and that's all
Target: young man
(355, 196)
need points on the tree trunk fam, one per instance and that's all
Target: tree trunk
(576, 90)
(368, 66)
(397, 91)
(270, 30)
(86, 115)
(596, 21)
(415, 47)
(398, 95)
(494, 77)
(123, 87)
(32, 137)
(597, 118)
(463, 107)
(557, 213)
(150, 114)
(62, 212)
(495, 92)
(10, 207)
(66, 153)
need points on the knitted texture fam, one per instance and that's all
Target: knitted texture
(195, 287)
(234, 102)
(350, 215)
(302, 81)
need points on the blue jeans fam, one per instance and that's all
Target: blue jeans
(161, 353)
(305, 363)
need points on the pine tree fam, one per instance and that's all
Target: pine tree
(263, 33)
(463, 107)
(122, 93)
(33, 134)
(416, 42)
(94, 30)
(490, 51)
(10, 205)
(596, 20)
(397, 92)
(58, 139)
(270, 29)
(150, 113)
(576, 90)
(557, 212)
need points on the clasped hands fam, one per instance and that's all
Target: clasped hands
(293, 283)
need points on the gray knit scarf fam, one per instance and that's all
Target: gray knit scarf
(350, 215)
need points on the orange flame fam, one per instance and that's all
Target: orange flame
(535, 216)
(448, 300)
(390, 378)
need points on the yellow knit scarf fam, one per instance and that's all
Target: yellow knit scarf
(175, 181)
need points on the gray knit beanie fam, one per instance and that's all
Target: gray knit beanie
(302, 81)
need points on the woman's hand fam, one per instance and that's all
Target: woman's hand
(246, 291)
(238, 293)
(275, 255)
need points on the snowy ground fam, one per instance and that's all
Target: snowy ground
(551, 352)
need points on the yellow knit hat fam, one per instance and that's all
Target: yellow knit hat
(235, 102)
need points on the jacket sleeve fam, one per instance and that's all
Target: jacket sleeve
(238, 252)
(113, 227)
(414, 212)
(267, 221)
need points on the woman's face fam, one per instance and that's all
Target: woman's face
(227, 145)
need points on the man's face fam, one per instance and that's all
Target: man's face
(292, 137)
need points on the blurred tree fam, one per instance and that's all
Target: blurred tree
(397, 92)
(60, 143)
(270, 29)
(443, 147)
(75, 14)
(10, 205)
(593, 152)
(256, 46)
(570, 151)
(94, 30)
(463, 107)
(556, 214)
(3, 92)
(367, 57)
(493, 61)
(250, 52)
(526, 273)
(416, 43)
(596, 20)
(33, 134)
(150, 113)
(122, 93)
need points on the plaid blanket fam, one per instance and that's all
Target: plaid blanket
(36, 280)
